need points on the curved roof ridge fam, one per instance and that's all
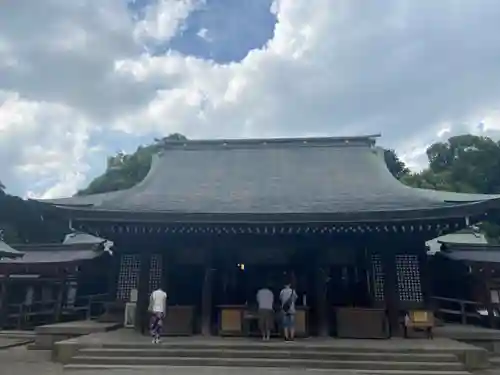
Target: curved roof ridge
(361, 140)
(436, 195)
(8, 251)
(96, 200)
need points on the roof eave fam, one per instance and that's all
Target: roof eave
(456, 211)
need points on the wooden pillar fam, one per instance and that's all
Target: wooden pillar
(114, 265)
(141, 317)
(488, 303)
(425, 278)
(391, 295)
(60, 297)
(322, 308)
(206, 298)
(3, 301)
(166, 262)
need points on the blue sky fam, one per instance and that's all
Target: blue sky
(82, 80)
(225, 30)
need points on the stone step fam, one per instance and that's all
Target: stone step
(289, 346)
(17, 334)
(266, 362)
(220, 370)
(495, 361)
(275, 353)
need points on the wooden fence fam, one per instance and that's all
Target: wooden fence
(467, 311)
(45, 312)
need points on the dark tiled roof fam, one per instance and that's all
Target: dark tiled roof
(55, 253)
(488, 256)
(7, 251)
(280, 177)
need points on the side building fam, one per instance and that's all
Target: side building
(54, 282)
(214, 220)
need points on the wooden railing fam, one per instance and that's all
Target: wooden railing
(23, 314)
(466, 310)
(86, 307)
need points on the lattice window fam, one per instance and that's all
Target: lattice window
(128, 278)
(155, 272)
(408, 274)
(378, 277)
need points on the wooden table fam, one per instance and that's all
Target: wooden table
(178, 320)
(235, 320)
(301, 319)
(231, 319)
(362, 323)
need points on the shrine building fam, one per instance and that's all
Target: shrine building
(215, 220)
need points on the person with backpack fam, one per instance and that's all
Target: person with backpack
(288, 296)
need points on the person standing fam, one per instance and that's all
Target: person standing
(265, 300)
(157, 306)
(288, 296)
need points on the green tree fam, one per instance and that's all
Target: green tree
(469, 163)
(126, 170)
(466, 164)
(395, 165)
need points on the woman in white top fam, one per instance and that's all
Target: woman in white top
(157, 306)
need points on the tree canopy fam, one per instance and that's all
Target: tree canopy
(465, 163)
(125, 170)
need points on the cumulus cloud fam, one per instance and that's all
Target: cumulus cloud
(413, 70)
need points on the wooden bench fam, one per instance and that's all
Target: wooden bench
(419, 320)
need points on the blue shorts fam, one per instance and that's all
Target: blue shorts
(288, 320)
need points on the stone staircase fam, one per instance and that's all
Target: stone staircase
(495, 360)
(268, 355)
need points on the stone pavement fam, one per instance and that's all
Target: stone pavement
(21, 361)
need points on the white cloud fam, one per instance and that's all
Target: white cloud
(56, 149)
(163, 19)
(413, 70)
(203, 34)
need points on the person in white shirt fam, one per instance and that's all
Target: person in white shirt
(157, 306)
(265, 300)
(288, 296)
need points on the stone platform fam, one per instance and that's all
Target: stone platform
(126, 349)
(479, 336)
(46, 336)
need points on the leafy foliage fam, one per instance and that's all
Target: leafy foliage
(466, 164)
(125, 170)
(395, 165)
